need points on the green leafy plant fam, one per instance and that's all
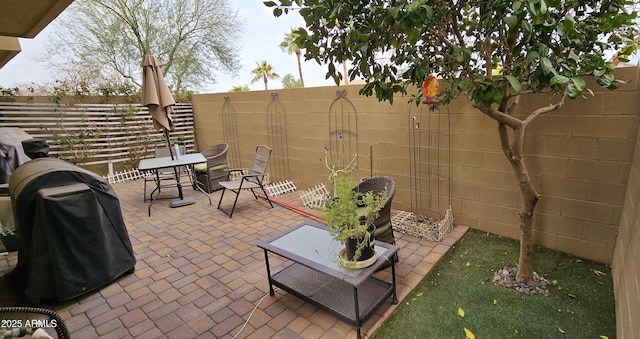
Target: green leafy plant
(349, 213)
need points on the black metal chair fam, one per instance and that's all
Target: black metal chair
(251, 178)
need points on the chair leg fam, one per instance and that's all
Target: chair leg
(234, 203)
(265, 193)
(393, 242)
(144, 193)
(237, 192)
(221, 195)
(230, 213)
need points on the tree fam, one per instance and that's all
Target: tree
(289, 81)
(543, 46)
(289, 45)
(241, 88)
(265, 72)
(104, 41)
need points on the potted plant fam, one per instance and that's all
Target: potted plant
(350, 215)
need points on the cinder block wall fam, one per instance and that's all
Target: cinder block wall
(626, 259)
(579, 157)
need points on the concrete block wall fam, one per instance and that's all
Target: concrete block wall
(626, 259)
(579, 158)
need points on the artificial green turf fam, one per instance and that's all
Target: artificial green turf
(580, 304)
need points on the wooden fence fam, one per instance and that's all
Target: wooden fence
(98, 134)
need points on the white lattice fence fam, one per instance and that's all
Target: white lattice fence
(278, 188)
(123, 176)
(314, 197)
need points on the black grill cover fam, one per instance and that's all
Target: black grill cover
(72, 235)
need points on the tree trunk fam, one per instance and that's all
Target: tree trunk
(513, 150)
(299, 66)
(265, 82)
(530, 198)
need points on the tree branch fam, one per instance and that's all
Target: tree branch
(546, 109)
(487, 56)
(456, 29)
(499, 116)
(505, 143)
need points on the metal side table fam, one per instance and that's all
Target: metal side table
(316, 276)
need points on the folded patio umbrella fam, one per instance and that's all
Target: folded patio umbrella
(156, 94)
(159, 100)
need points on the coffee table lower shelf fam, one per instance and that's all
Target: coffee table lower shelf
(334, 295)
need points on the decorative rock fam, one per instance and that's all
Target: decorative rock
(506, 277)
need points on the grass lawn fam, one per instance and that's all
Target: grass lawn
(458, 294)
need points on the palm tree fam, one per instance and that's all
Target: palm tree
(263, 71)
(289, 45)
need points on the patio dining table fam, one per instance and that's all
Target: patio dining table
(154, 165)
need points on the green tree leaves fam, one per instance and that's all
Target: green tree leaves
(539, 44)
(263, 71)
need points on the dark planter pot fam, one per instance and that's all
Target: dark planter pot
(351, 246)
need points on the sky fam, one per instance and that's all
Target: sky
(261, 39)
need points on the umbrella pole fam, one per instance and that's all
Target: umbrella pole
(181, 201)
(166, 136)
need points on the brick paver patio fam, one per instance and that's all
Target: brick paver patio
(200, 274)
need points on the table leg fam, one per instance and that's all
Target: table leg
(157, 189)
(355, 302)
(266, 259)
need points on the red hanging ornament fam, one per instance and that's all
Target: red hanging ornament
(430, 88)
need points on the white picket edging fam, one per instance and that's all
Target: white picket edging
(314, 197)
(278, 188)
(123, 176)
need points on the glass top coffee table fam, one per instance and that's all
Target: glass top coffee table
(316, 276)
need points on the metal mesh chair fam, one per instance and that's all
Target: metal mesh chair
(251, 178)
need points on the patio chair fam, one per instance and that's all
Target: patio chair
(377, 184)
(208, 174)
(166, 177)
(251, 178)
